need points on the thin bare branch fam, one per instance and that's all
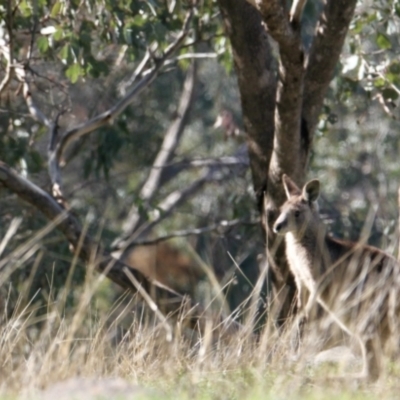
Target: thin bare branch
(209, 162)
(34, 110)
(172, 201)
(190, 56)
(385, 105)
(172, 136)
(214, 173)
(8, 50)
(174, 168)
(167, 150)
(136, 74)
(177, 197)
(220, 226)
(54, 172)
(33, 28)
(105, 117)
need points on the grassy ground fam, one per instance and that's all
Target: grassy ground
(122, 351)
(90, 352)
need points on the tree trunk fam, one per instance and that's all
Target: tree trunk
(281, 105)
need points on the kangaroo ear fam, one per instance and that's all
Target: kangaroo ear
(290, 187)
(311, 190)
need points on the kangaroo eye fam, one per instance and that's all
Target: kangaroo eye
(297, 214)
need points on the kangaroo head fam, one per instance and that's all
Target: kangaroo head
(299, 209)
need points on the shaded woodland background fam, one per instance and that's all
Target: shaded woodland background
(79, 60)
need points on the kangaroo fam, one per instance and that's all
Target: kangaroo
(357, 284)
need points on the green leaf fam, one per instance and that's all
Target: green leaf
(397, 9)
(25, 8)
(358, 26)
(394, 67)
(379, 82)
(390, 94)
(43, 44)
(371, 18)
(56, 9)
(139, 20)
(383, 41)
(393, 78)
(393, 72)
(84, 39)
(96, 68)
(64, 53)
(34, 161)
(59, 34)
(74, 72)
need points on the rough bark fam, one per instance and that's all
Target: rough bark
(254, 65)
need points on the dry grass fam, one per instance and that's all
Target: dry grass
(124, 351)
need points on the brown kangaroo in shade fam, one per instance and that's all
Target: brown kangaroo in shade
(359, 285)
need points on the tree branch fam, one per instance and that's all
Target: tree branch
(210, 162)
(71, 229)
(172, 137)
(239, 160)
(54, 171)
(323, 57)
(175, 199)
(147, 77)
(168, 147)
(38, 115)
(8, 50)
(33, 109)
(174, 168)
(193, 232)
(136, 74)
(214, 173)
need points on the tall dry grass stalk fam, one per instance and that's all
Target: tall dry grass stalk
(129, 340)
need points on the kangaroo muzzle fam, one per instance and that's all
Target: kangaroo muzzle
(279, 226)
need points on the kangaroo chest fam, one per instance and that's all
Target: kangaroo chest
(303, 261)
